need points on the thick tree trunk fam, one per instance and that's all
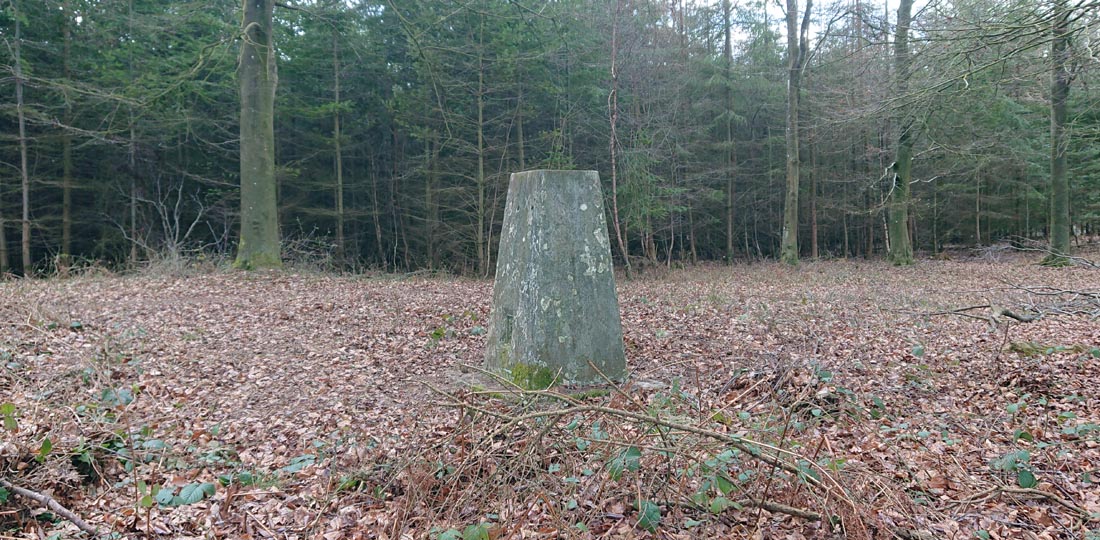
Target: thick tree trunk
(901, 247)
(797, 52)
(260, 244)
(1060, 79)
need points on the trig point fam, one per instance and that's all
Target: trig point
(554, 305)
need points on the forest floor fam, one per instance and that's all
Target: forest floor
(822, 401)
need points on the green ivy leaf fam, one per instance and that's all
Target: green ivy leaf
(649, 515)
(165, 496)
(298, 463)
(7, 410)
(154, 444)
(1026, 479)
(1011, 461)
(450, 534)
(476, 532)
(806, 470)
(195, 492)
(627, 460)
(719, 505)
(725, 485)
(44, 450)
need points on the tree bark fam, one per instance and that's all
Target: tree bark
(23, 172)
(132, 149)
(727, 55)
(797, 52)
(813, 197)
(431, 205)
(482, 248)
(260, 244)
(341, 247)
(1059, 141)
(978, 209)
(65, 257)
(519, 126)
(901, 247)
(613, 119)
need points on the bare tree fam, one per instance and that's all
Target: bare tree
(901, 247)
(797, 54)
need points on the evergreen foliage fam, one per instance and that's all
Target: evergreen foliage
(396, 125)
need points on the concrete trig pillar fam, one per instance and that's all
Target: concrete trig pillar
(554, 303)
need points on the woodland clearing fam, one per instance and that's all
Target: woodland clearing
(834, 399)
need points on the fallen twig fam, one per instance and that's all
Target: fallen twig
(50, 503)
(758, 503)
(992, 492)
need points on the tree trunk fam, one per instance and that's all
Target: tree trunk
(132, 160)
(901, 247)
(613, 119)
(519, 127)
(797, 52)
(935, 218)
(1060, 79)
(376, 213)
(341, 248)
(813, 196)
(869, 225)
(132, 150)
(978, 209)
(64, 259)
(431, 209)
(727, 55)
(23, 172)
(482, 248)
(260, 244)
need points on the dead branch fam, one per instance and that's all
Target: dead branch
(995, 491)
(772, 455)
(756, 503)
(749, 447)
(1027, 244)
(995, 312)
(50, 503)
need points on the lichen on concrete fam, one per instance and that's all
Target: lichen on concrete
(554, 304)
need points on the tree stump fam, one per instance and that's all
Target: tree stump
(555, 316)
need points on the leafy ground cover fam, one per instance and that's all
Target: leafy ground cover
(837, 399)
